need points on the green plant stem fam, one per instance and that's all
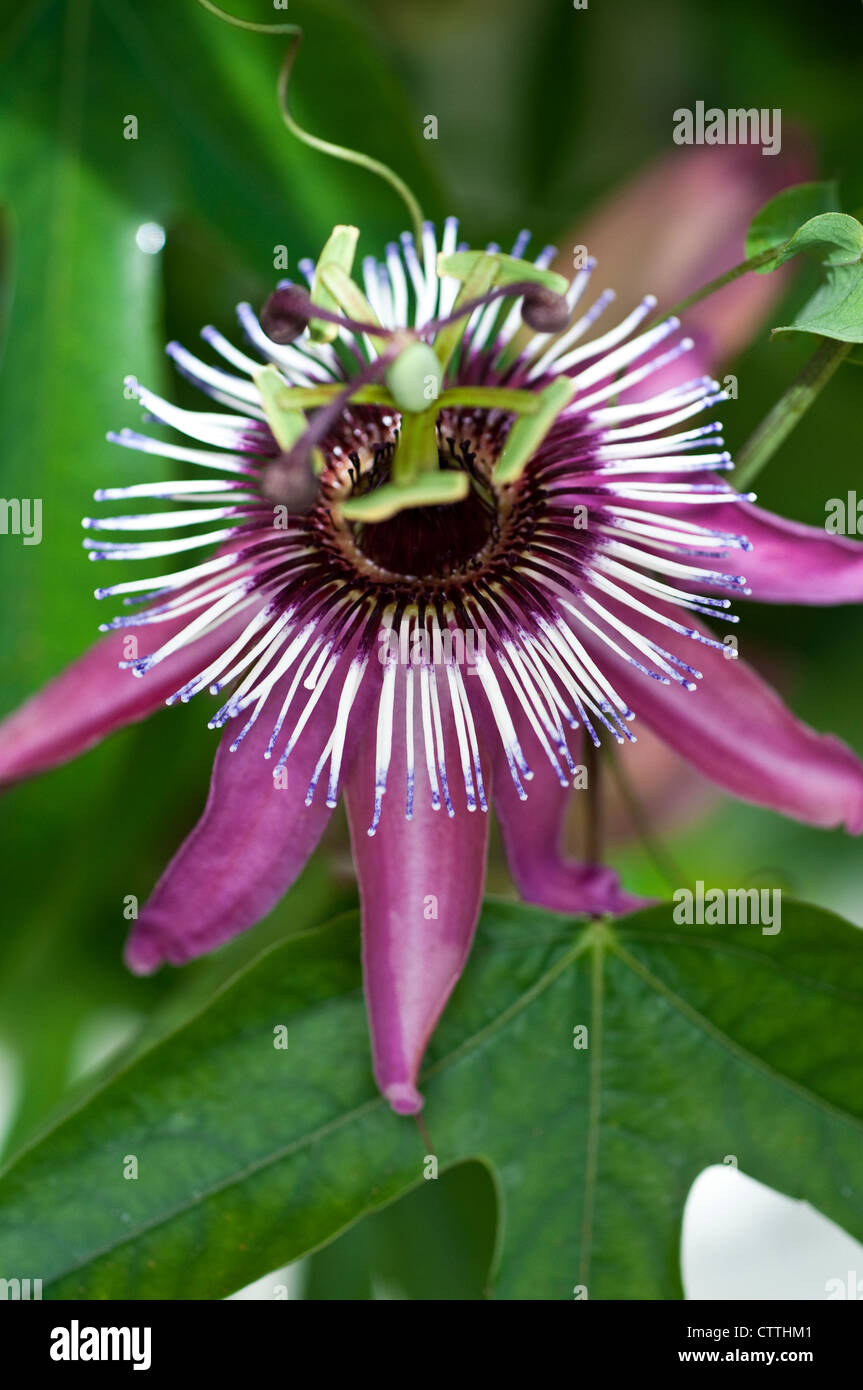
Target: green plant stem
(248, 24)
(719, 283)
(365, 161)
(663, 861)
(780, 421)
(710, 288)
(593, 803)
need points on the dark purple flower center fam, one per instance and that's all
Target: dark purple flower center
(432, 542)
(423, 550)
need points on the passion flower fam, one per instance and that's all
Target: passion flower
(444, 545)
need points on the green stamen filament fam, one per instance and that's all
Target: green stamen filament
(529, 431)
(338, 251)
(284, 418)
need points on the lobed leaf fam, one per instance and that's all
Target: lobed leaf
(702, 1042)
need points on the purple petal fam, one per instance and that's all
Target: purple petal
(532, 832)
(421, 884)
(736, 730)
(92, 697)
(789, 562)
(245, 852)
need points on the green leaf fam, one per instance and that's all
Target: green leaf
(85, 300)
(834, 239)
(436, 1242)
(835, 310)
(703, 1042)
(776, 223)
(84, 304)
(804, 219)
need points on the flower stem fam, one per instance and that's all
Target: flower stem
(640, 818)
(710, 288)
(780, 421)
(719, 283)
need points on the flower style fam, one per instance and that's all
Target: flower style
(450, 544)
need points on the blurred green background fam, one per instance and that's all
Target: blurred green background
(543, 111)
